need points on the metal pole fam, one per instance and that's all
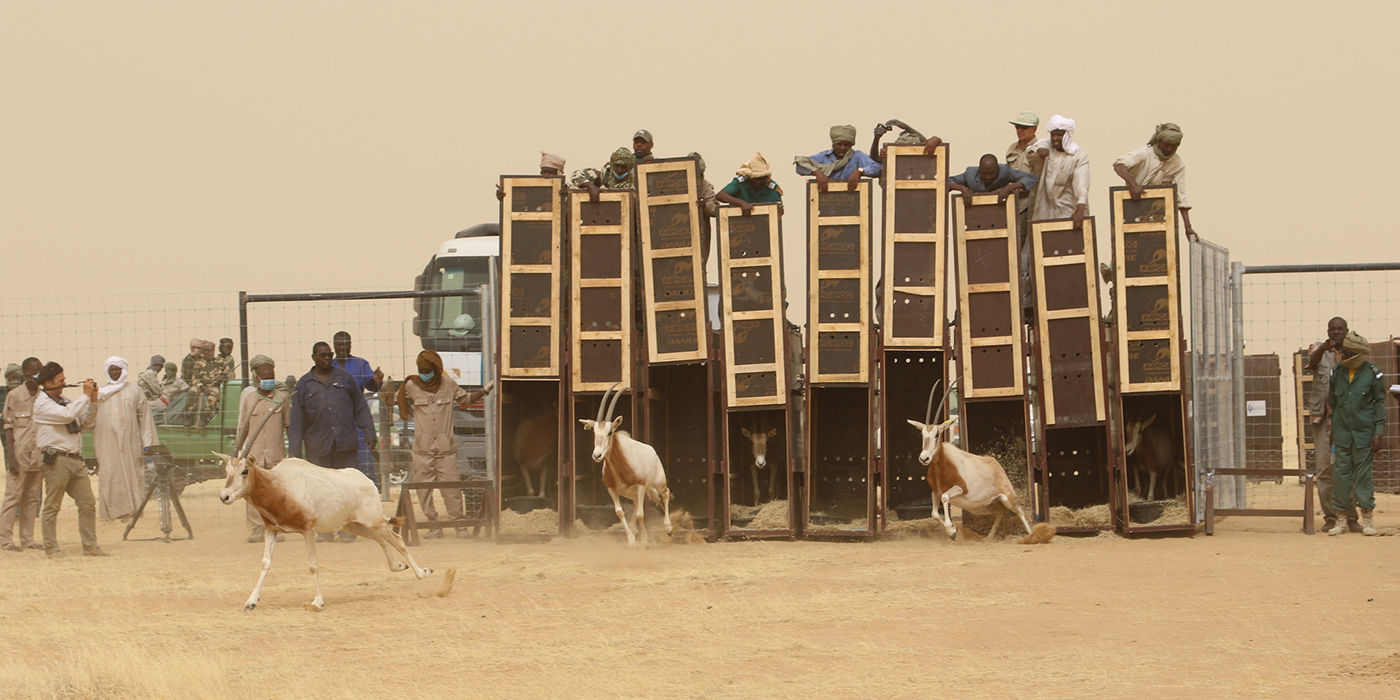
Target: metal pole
(488, 373)
(1237, 375)
(243, 332)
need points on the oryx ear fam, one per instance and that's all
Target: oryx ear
(746, 432)
(917, 425)
(616, 422)
(772, 432)
(587, 424)
(948, 422)
(252, 462)
(222, 456)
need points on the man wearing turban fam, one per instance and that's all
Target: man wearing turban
(429, 398)
(753, 184)
(616, 175)
(841, 162)
(1158, 163)
(1063, 192)
(123, 435)
(551, 165)
(1322, 359)
(263, 419)
(1356, 399)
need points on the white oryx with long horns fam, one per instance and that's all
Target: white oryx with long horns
(974, 483)
(298, 496)
(630, 468)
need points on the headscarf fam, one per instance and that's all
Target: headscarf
(549, 160)
(171, 369)
(846, 133)
(1059, 123)
(12, 368)
(259, 361)
(196, 343)
(1166, 132)
(699, 163)
(432, 359)
(1359, 350)
(157, 361)
(113, 386)
(756, 167)
(611, 179)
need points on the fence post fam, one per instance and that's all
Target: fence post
(1237, 376)
(243, 332)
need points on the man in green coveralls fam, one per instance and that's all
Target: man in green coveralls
(1357, 402)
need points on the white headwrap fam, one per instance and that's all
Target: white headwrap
(1059, 123)
(113, 386)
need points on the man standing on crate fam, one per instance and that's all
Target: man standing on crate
(1156, 164)
(1321, 361)
(840, 162)
(1356, 400)
(428, 399)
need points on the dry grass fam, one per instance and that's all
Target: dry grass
(544, 521)
(1091, 517)
(1177, 617)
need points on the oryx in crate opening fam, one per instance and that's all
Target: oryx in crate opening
(974, 483)
(630, 468)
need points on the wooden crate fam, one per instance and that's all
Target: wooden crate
(838, 283)
(915, 248)
(1302, 387)
(991, 345)
(601, 309)
(673, 272)
(751, 283)
(532, 231)
(1147, 290)
(1070, 348)
(1263, 421)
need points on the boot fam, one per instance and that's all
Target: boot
(1328, 524)
(1338, 528)
(1353, 525)
(1367, 528)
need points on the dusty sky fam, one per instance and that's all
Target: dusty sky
(173, 146)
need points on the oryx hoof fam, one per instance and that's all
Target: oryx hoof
(400, 566)
(427, 572)
(249, 607)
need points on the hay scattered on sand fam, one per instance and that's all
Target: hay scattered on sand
(772, 515)
(1092, 517)
(854, 525)
(543, 521)
(922, 527)
(1174, 512)
(445, 589)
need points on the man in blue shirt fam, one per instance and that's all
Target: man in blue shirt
(366, 380)
(329, 413)
(842, 162)
(991, 177)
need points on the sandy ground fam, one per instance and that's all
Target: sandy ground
(1258, 610)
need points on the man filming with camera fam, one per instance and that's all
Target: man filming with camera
(60, 441)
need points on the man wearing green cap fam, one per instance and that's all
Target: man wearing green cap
(1356, 399)
(840, 162)
(1024, 156)
(1155, 164)
(263, 419)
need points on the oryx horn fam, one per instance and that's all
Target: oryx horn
(613, 405)
(942, 405)
(603, 402)
(928, 412)
(248, 443)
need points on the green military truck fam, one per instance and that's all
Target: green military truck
(191, 449)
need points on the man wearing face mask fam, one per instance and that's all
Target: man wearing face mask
(263, 409)
(616, 175)
(123, 436)
(327, 409)
(24, 482)
(428, 399)
(60, 444)
(841, 162)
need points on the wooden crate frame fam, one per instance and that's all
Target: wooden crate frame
(697, 305)
(510, 267)
(1090, 262)
(1015, 339)
(816, 275)
(773, 263)
(939, 237)
(1302, 387)
(578, 230)
(1170, 278)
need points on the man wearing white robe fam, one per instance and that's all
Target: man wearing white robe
(1063, 192)
(123, 435)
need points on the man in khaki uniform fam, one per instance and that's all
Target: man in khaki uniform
(1023, 155)
(428, 399)
(60, 442)
(1155, 164)
(262, 409)
(24, 483)
(1321, 361)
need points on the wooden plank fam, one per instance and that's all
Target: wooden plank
(915, 247)
(1074, 388)
(1147, 294)
(1302, 387)
(838, 283)
(601, 306)
(673, 273)
(991, 347)
(751, 293)
(532, 233)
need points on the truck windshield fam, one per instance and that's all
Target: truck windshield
(452, 318)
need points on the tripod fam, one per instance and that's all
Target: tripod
(169, 498)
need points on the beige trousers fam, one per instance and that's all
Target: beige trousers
(68, 475)
(22, 494)
(438, 468)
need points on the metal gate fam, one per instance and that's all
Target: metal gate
(1212, 391)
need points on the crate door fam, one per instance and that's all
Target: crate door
(751, 281)
(1067, 323)
(989, 297)
(531, 236)
(1146, 289)
(838, 283)
(672, 269)
(602, 290)
(915, 247)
